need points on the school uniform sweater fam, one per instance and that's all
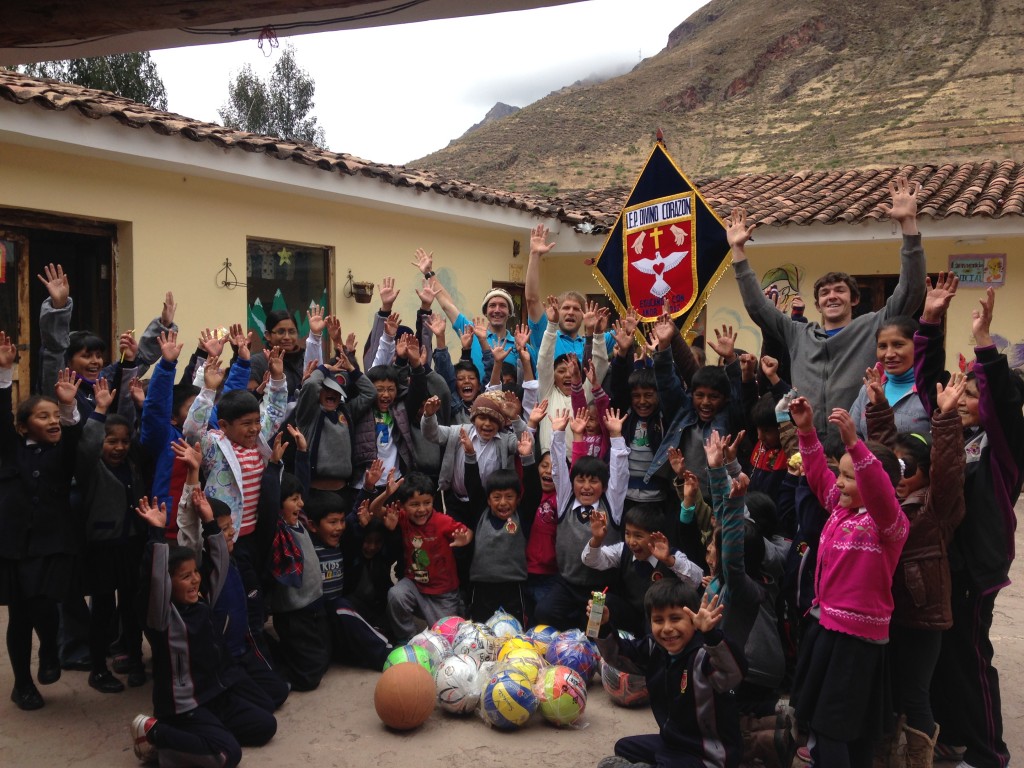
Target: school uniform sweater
(859, 548)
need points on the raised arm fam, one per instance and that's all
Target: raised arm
(910, 290)
(539, 246)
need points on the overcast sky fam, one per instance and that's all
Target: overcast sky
(392, 94)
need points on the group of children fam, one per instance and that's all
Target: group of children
(277, 510)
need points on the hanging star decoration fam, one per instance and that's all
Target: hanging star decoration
(284, 256)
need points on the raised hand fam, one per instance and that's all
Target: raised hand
(598, 527)
(388, 294)
(847, 429)
(574, 370)
(466, 336)
(664, 331)
(525, 445)
(213, 374)
(103, 395)
(344, 362)
(311, 366)
(431, 406)
(904, 199)
(748, 366)
(462, 536)
(539, 244)
(412, 349)
(724, 344)
(714, 449)
(560, 420)
(578, 425)
(623, 338)
(658, 544)
(423, 261)
(137, 392)
(938, 296)
(8, 351)
(551, 309)
(537, 414)
(128, 347)
(677, 461)
(437, 324)
(170, 349)
(466, 442)
(275, 363)
(737, 232)
(499, 351)
(189, 455)
(374, 472)
(590, 317)
(56, 284)
(480, 329)
(591, 374)
(391, 514)
(168, 310)
(802, 414)
(241, 341)
(948, 398)
(317, 322)
(202, 504)
(67, 386)
(613, 421)
(770, 369)
(333, 325)
(278, 448)
(427, 293)
(874, 387)
(732, 447)
(709, 615)
(981, 319)
(391, 324)
(739, 485)
(152, 511)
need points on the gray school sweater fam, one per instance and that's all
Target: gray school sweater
(829, 371)
(499, 553)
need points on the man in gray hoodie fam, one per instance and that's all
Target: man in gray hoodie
(828, 360)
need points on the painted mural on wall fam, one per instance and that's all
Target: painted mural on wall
(782, 284)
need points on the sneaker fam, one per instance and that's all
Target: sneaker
(104, 682)
(27, 698)
(139, 730)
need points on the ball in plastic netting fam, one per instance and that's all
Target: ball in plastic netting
(410, 654)
(561, 695)
(447, 627)
(404, 696)
(525, 661)
(515, 644)
(573, 649)
(458, 684)
(508, 701)
(625, 688)
(504, 624)
(543, 635)
(475, 640)
(434, 644)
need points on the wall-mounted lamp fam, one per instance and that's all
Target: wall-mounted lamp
(362, 292)
(226, 277)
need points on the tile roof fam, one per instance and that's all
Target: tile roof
(988, 189)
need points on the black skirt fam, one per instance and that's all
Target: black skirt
(841, 687)
(47, 576)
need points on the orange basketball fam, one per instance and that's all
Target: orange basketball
(404, 696)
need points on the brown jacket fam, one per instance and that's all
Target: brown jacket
(921, 586)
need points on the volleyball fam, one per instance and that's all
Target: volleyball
(508, 701)
(561, 695)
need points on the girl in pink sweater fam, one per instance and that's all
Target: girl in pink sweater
(840, 685)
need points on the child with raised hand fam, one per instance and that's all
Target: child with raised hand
(205, 707)
(39, 534)
(109, 480)
(735, 557)
(430, 587)
(934, 505)
(691, 667)
(498, 571)
(592, 439)
(840, 681)
(590, 485)
(640, 560)
(965, 697)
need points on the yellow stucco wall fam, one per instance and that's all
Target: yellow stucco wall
(175, 231)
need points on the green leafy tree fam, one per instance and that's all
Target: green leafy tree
(132, 75)
(280, 106)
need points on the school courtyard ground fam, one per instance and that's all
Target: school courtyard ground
(336, 725)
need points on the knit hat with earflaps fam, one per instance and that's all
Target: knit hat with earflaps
(503, 407)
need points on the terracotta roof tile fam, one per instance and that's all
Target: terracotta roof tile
(990, 189)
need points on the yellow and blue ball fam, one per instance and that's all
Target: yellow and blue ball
(508, 700)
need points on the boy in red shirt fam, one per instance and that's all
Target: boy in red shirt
(430, 587)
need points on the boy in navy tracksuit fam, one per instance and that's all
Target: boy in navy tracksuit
(691, 669)
(205, 707)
